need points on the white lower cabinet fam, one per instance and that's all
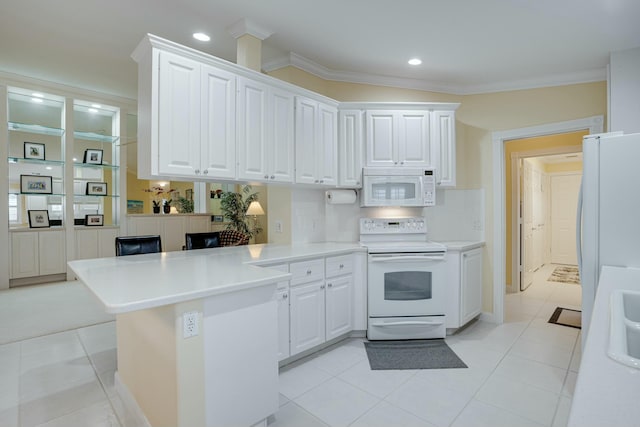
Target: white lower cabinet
(307, 316)
(282, 298)
(37, 253)
(321, 302)
(96, 243)
(464, 286)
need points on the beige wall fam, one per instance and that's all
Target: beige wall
(477, 118)
(563, 167)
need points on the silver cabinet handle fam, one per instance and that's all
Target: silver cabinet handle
(321, 286)
(308, 272)
(273, 177)
(266, 177)
(197, 171)
(206, 171)
(357, 182)
(316, 181)
(341, 265)
(402, 162)
(330, 285)
(321, 181)
(285, 296)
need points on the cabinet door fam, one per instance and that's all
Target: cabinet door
(252, 130)
(350, 152)
(282, 298)
(471, 285)
(307, 316)
(381, 147)
(280, 164)
(444, 147)
(339, 309)
(218, 120)
(327, 143)
(107, 242)
(86, 244)
(24, 254)
(414, 148)
(306, 132)
(178, 116)
(52, 254)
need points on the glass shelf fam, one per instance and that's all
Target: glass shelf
(35, 161)
(93, 166)
(41, 130)
(95, 195)
(93, 136)
(18, 193)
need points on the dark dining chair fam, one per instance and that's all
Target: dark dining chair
(202, 240)
(233, 238)
(134, 245)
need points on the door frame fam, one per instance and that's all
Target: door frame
(594, 124)
(516, 195)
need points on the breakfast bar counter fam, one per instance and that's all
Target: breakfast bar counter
(197, 330)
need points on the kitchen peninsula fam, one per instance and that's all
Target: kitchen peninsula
(227, 372)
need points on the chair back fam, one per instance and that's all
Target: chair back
(233, 238)
(134, 245)
(202, 240)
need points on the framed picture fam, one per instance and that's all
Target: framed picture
(33, 150)
(96, 189)
(38, 218)
(135, 206)
(36, 184)
(218, 218)
(94, 220)
(93, 157)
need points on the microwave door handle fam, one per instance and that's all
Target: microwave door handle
(406, 258)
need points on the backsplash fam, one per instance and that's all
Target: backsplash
(458, 215)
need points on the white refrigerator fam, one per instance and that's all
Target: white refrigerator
(608, 212)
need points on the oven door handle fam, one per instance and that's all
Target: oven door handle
(408, 323)
(377, 258)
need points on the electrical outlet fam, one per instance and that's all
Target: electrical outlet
(190, 324)
(278, 226)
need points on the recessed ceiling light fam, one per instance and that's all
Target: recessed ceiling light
(415, 61)
(201, 36)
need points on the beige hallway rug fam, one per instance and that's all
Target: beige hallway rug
(565, 274)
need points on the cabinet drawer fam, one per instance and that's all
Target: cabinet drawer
(306, 271)
(339, 265)
(281, 267)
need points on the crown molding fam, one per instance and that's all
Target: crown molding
(305, 64)
(245, 26)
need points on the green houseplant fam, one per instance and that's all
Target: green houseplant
(234, 207)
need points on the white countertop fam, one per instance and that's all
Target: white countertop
(461, 245)
(137, 282)
(606, 392)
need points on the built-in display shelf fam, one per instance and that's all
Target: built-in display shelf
(39, 129)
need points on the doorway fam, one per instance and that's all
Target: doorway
(546, 201)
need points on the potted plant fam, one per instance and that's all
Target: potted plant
(166, 207)
(184, 205)
(160, 198)
(156, 206)
(234, 207)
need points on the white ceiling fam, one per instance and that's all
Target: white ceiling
(467, 46)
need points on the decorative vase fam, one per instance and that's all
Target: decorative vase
(166, 209)
(156, 209)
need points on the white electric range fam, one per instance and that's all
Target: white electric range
(406, 280)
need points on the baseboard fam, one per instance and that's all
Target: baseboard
(487, 317)
(129, 404)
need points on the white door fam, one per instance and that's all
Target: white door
(527, 227)
(307, 316)
(218, 123)
(51, 245)
(339, 311)
(564, 202)
(179, 116)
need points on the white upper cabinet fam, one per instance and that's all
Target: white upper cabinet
(444, 136)
(265, 132)
(186, 114)
(350, 148)
(316, 142)
(398, 138)
(196, 119)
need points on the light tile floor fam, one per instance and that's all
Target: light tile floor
(521, 373)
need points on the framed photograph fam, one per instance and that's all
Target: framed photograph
(96, 189)
(38, 219)
(33, 150)
(36, 184)
(218, 218)
(93, 157)
(135, 206)
(94, 220)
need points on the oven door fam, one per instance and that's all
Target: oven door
(402, 284)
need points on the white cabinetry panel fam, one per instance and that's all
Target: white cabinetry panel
(339, 306)
(471, 285)
(350, 148)
(307, 316)
(444, 141)
(24, 254)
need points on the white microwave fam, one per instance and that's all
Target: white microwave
(401, 187)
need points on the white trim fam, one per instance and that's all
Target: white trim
(305, 64)
(129, 404)
(593, 124)
(487, 317)
(245, 26)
